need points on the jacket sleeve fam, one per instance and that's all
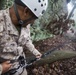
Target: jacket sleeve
(31, 47)
(29, 43)
(0, 69)
(25, 39)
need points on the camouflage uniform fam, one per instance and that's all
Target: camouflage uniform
(11, 42)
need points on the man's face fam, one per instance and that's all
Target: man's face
(30, 17)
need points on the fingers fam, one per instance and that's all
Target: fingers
(6, 66)
(7, 62)
(38, 56)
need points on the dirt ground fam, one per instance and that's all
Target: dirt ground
(60, 67)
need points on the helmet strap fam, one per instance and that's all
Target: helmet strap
(20, 22)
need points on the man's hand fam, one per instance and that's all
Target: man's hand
(5, 66)
(38, 56)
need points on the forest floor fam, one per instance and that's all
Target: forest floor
(60, 67)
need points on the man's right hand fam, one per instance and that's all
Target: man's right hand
(5, 66)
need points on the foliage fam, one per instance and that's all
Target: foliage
(5, 3)
(38, 34)
(55, 9)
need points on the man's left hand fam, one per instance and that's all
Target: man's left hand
(39, 56)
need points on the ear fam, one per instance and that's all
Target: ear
(26, 11)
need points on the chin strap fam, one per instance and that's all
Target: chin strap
(21, 22)
(17, 14)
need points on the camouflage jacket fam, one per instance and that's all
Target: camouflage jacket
(11, 42)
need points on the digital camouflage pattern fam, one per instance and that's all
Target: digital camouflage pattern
(12, 43)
